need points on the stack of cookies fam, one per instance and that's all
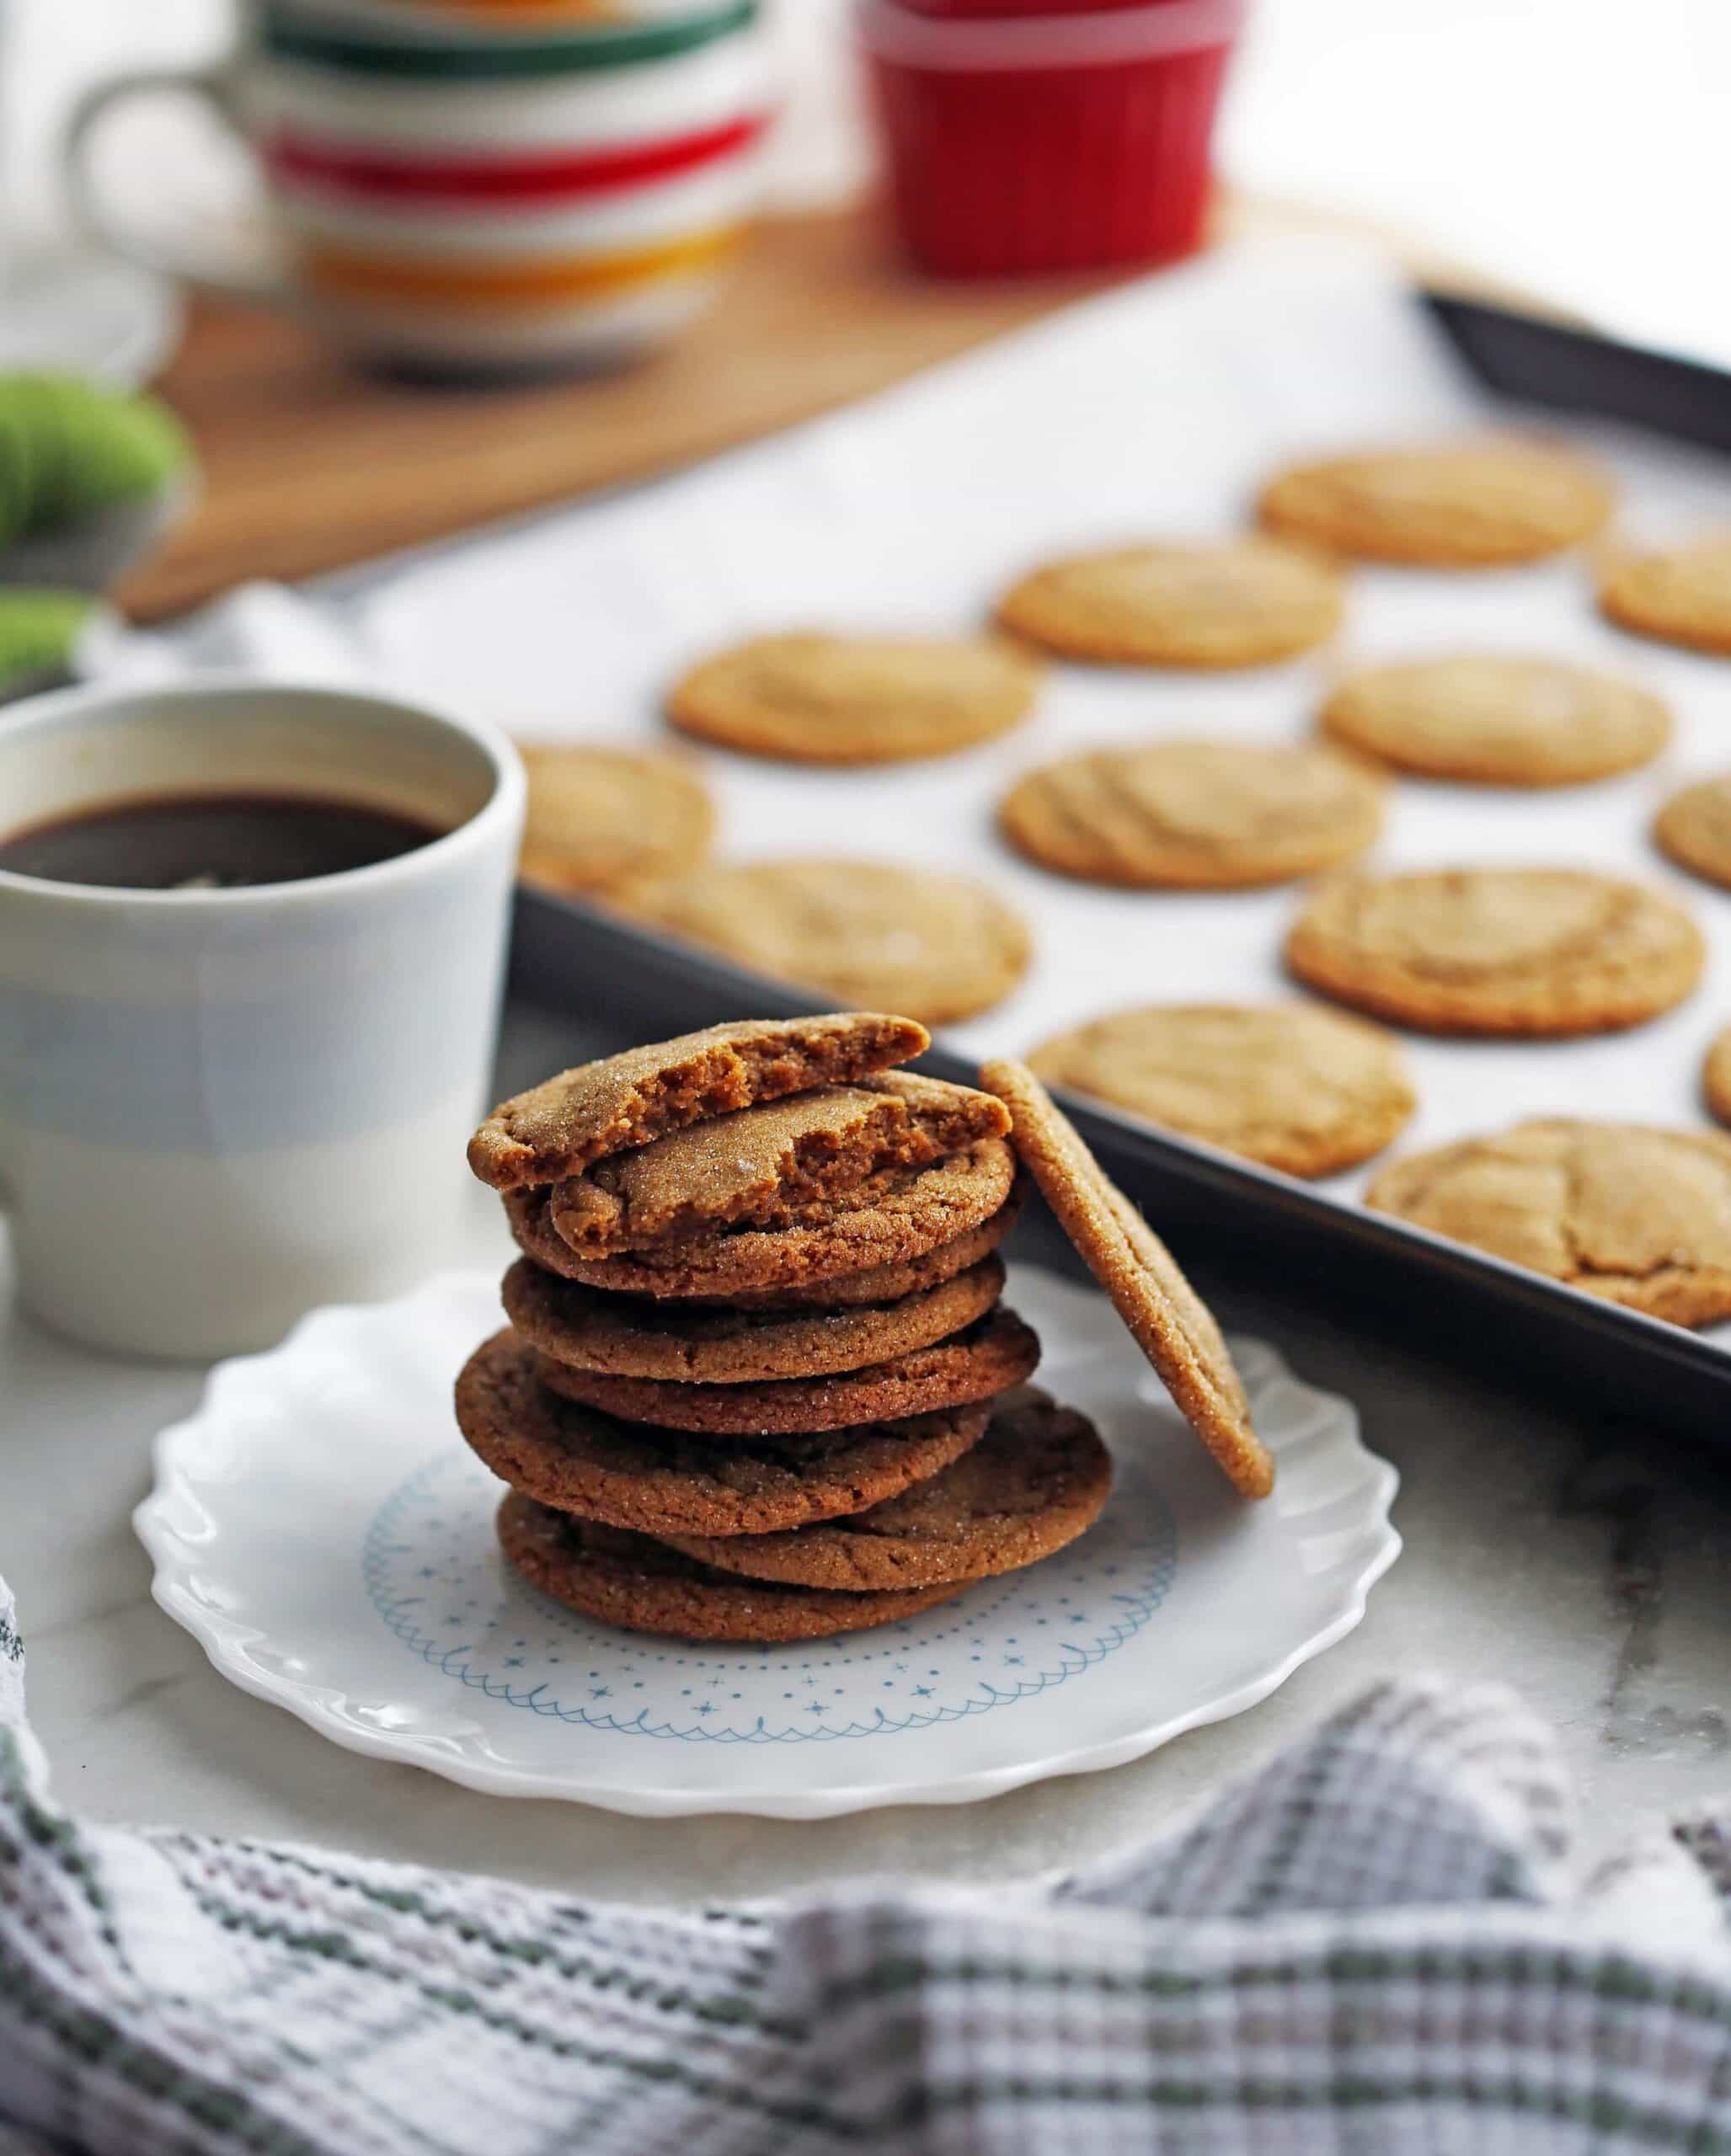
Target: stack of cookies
(758, 1383)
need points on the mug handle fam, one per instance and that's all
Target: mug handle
(247, 274)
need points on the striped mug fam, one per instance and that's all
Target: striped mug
(499, 190)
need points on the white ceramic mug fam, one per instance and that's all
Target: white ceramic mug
(221, 1107)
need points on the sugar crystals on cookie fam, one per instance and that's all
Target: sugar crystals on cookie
(1482, 502)
(1168, 1319)
(1231, 603)
(1538, 952)
(759, 1299)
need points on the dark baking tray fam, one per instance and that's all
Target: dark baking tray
(1229, 1216)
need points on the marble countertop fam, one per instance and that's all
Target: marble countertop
(1585, 1560)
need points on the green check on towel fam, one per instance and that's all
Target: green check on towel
(1377, 1943)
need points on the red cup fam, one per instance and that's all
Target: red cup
(1045, 144)
(954, 11)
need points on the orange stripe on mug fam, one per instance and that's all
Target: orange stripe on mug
(531, 281)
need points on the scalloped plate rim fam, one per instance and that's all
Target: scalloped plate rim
(226, 1641)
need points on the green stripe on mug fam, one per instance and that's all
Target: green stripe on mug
(292, 37)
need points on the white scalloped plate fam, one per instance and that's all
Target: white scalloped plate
(321, 1528)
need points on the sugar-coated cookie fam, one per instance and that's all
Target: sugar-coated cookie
(1239, 602)
(676, 1289)
(662, 1482)
(1038, 1479)
(558, 1127)
(1676, 594)
(1638, 1216)
(1716, 1076)
(889, 1219)
(602, 820)
(643, 1586)
(1290, 1085)
(1489, 719)
(1476, 503)
(1195, 816)
(776, 1165)
(1694, 828)
(634, 1337)
(940, 947)
(815, 699)
(995, 1352)
(1167, 1319)
(1530, 952)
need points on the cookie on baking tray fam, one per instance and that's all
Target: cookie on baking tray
(816, 699)
(1297, 1087)
(1678, 595)
(1486, 719)
(940, 947)
(1195, 815)
(1640, 1216)
(1238, 602)
(601, 821)
(1476, 503)
(1528, 951)
(1694, 828)
(1716, 1076)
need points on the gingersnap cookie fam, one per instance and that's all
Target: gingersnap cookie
(525, 1214)
(1716, 1077)
(991, 1355)
(1491, 720)
(1457, 505)
(1195, 816)
(1240, 602)
(1167, 1319)
(1292, 1086)
(811, 699)
(602, 820)
(773, 1166)
(1640, 1216)
(1038, 1479)
(892, 1217)
(663, 1481)
(643, 1586)
(557, 1128)
(1534, 951)
(626, 1337)
(940, 947)
(1694, 828)
(1676, 594)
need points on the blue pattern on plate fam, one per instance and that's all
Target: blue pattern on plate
(434, 1575)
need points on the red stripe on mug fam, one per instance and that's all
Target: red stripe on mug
(293, 156)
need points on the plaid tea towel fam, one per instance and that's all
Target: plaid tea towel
(1372, 1945)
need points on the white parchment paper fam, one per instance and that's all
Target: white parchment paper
(1152, 412)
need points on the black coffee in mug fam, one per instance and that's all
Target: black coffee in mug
(211, 842)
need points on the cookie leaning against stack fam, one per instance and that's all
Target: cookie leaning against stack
(758, 1385)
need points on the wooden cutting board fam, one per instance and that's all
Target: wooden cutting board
(311, 465)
